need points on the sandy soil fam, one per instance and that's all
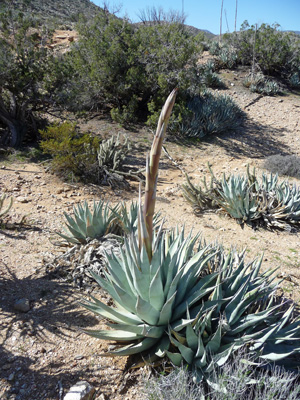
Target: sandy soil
(42, 351)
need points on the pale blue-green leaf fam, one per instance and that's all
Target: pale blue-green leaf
(166, 316)
(146, 312)
(176, 358)
(144, 345)
(142, 330)
(118, 335)
(156, 292)
(191, 338)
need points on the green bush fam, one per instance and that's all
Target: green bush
(74, 155)
(210, 114)
(275, 52)
(31, 77)
(129, 70)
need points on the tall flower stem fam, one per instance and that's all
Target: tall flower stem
(152, 165)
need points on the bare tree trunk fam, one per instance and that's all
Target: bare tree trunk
(236, 8)
(17, 129)
(253, 58)
(220, 38)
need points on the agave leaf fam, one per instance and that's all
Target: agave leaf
(105, 284)
(156, 292)
(117, 274)
(191, 338)
(176, 358)
(143, 330)
(185, 351)
(195, 296)
(251, 320)
(166, 312)
(233, 307)
(119, 315)
(177, 326)
(146, 311)
(200, 348)
(162, 346)
(137, 348)
(70, 239)
(191, 274)
(214, 343)
(117, 335)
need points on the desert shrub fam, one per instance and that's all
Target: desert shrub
(31, 75)
(261, 84)
(275, 52)
(264, 202)
(74, 155)
(129, 70)
(236, 380)
(102, 163)
(283, 165)
(210, 114)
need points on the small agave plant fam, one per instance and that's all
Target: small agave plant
(88, 224)
(103, 219)
(196, 306)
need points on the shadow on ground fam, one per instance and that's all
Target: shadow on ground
(53, 309)
(253, 140)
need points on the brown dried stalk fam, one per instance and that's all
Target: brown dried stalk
(152, 165)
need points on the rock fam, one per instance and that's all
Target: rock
(22, 199)
(82, 390)
(11, 377)
(22, 305)
(101, 397)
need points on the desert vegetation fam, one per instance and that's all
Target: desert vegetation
(208, 323)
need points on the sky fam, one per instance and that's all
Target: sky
(205, 14)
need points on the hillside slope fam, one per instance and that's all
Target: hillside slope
(59, 12)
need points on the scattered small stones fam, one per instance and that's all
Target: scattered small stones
(82, 390)
(22, 305)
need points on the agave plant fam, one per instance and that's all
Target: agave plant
(119, 220)
(242, 311)
(265, 202)
(211, 114)
(112, 153)
(151, 296)
(89, 224)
